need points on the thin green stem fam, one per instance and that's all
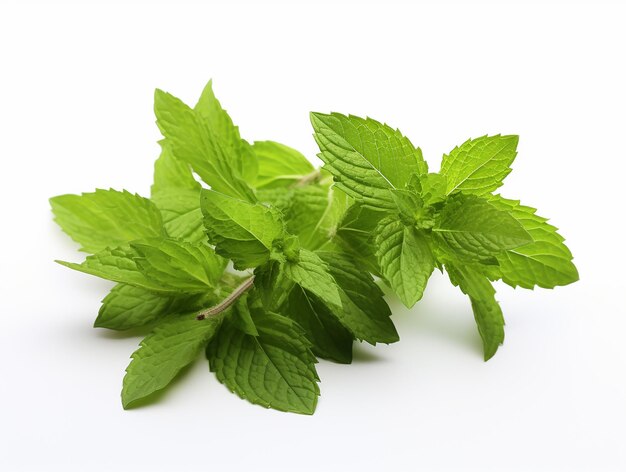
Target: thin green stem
(228, 301)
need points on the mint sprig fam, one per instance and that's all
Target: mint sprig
(248, 253)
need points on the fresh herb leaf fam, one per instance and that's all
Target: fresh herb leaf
(191, 139)
(179, 265)
(118, 265)
(329, 339)
(313, 275)
(471, 228)
(279, 165)
(172, 345)
(241, 231)
(313, 214)
(275, 369)
(216, 119)
(364, 311)
(487, 311)
(546, 262)
(405, 258)
(366, 157)
(106, 218)
(478, 166)
(354, 235)
(127, 307)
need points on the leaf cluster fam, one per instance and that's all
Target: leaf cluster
(246, 252)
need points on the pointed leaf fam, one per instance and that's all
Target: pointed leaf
(240, 231)
(478, 166)
(192, 139)
(487, 311)
(470, 228)
(106, 218)
(179, 265)
(546, 262)
(172, 345)
(364, 311)
(366, 157)
(217, 119)
(127, 306)
(279, 165)
(329, 338)
(275, 369)
(313, 275)
(405, 258)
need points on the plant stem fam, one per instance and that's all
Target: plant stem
(228, 301)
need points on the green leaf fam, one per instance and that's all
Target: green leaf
(478, 166)
(172, 345)
(364, 311)
(241, 316)
(354, 235)
(313, 214)
(171, 173)
(192, 139)
(366, 158)
(279, 165)
(127, 307)
(217, 119)
(118, 265)
(240, 231)
(106, 218)
(179, 265)
(177, 194)
(431, 188)
(312, 274)
(275, 369)
(272, 285)
(487, 311)
(409, 205)
(471, 228)
(182, 216)
(546, 262)
(405, 258)
(329, 338)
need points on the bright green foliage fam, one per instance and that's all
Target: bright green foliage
(313, 275)
(275, 369)
(367, 158)
(241, 231)
(313, 214)
(106, 218)
(328, 337)
(179, 265)
(191, 139)
(545, 262)
(364, 313)
(426, 220)
(279, 165)
(354, 234)
(176, 193)
(163, 265)
(117, 265)
(128, 306)
(487, 312)
(171, 173)
(274, 264)
(470, 228)
(218, 122)
(405, 258)
(170, 347)
(478, 166)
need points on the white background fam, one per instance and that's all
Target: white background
(76, 87)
